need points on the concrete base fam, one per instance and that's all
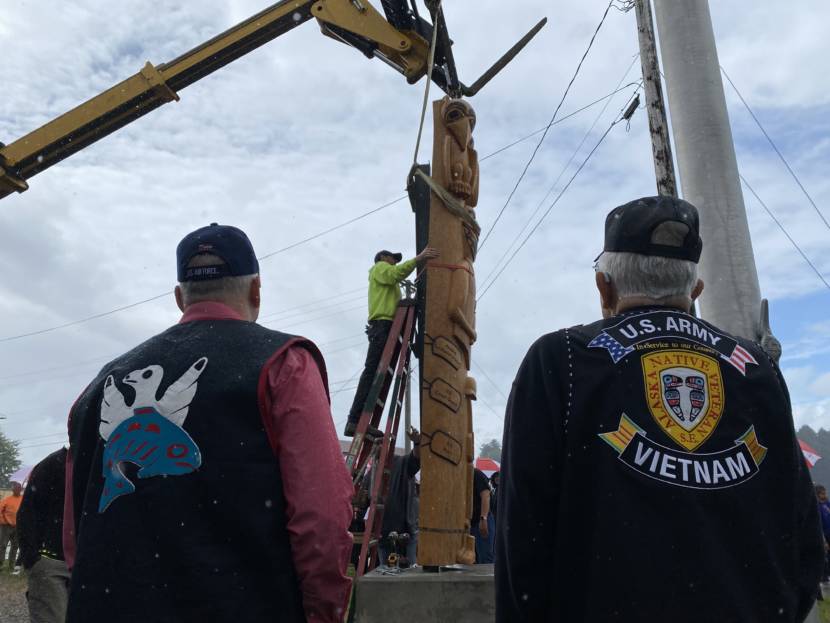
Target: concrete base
(813, 616)
(457, 595)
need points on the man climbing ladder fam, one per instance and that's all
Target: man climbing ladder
(384, 293)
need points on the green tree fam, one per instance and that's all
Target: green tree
(9, 459)
(491, 450)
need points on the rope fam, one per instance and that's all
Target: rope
(429, 80)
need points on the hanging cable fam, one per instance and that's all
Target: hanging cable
(552, 205)
(777, 151)
(781, 227)
(563, 119)
(564, 170)
(478, 367)
(300, 242)
(312, 303)
(545, 133)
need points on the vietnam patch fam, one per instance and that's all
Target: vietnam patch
(715, 470)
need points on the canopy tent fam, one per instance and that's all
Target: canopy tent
(21, 475)
(488, 466)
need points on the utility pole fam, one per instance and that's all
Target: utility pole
(708, 167)
(655, 106)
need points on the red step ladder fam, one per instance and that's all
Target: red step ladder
(367, 455)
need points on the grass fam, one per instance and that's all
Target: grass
(7, 579)
(824, 611)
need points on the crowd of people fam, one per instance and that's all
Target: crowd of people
(204, 479)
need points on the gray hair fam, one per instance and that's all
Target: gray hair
(223, 290)
(648, 276)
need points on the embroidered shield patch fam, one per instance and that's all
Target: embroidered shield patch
(684, 390)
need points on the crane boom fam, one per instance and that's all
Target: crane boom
(354, 22)
(153, 85)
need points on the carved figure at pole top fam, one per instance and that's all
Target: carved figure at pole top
(461, 172)
(460, 157)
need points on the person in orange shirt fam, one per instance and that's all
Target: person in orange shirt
(8, 524)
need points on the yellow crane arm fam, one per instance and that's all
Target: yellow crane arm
(354, 22)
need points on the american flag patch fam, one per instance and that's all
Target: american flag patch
(739, 358)
(614, 348)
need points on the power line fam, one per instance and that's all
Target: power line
(298, 314)
(335, 228)
(55, 368)
(562, 119)
(296, 244)
(781, 227)
(343, 348)
(777, 151)
(555, 201)
(311, 303)
(487, 376)
(41, 436)
(329, 315)
(87, 319)
(169, 292)
(40, 445)
(545, 133)
(559, 177)
(85, 372)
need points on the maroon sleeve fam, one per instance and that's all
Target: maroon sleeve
(317, 487)
(68, 516)
(69, 545)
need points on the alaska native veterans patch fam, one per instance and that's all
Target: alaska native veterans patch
(684, 391)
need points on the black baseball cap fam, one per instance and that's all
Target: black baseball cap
(225, 241)
(637, 227)
(398, 256)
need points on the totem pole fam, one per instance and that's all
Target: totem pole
(448, 332)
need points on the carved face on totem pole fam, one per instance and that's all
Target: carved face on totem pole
(461, 162)
(460, 157)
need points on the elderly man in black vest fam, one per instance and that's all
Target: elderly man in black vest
(206, 480)
(650, 471)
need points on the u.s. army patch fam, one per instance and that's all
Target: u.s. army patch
(684, 392)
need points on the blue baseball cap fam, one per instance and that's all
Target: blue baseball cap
(225, 241)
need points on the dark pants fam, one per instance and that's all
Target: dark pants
(378, 332)
(48, 591)
(8, 537)
(484, 545)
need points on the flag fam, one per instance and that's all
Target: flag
(810, 455)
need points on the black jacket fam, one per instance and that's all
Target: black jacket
(40, 518)
(650, 473)
(177, 494)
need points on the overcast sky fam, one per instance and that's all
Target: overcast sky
(303, 134)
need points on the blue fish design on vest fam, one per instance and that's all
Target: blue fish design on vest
(149, 432)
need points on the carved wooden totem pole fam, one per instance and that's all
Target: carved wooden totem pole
(447, 389)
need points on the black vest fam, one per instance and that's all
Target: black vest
(668, 482)
(180, 514)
